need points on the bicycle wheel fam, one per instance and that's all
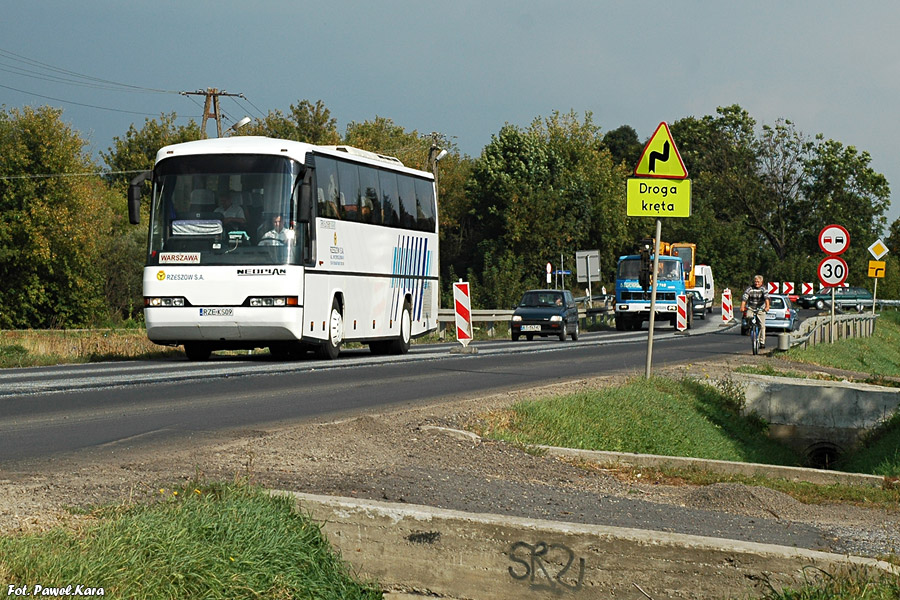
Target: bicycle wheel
(754, 338)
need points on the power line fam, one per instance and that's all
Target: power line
(120, 110)
(36, 63)
(46, 72)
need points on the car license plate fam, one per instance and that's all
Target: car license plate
(531, 327)
(216, 312)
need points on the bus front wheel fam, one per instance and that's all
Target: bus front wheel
(332, 346)
(197, 351)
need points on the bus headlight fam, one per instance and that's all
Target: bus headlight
(277, 301)
(164, 301)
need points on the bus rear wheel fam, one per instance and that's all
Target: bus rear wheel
(287, 350)
(332, 346)
(401, 344)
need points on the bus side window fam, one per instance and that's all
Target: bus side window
(349, 178)
(370, 204)
(407, 202)
(327, 188)
(390, 212)
(425, 205)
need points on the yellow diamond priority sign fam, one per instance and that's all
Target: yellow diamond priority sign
(878, 249)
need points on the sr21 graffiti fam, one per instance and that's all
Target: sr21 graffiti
(532, 564)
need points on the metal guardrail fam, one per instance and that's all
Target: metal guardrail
(818, 330)
(815, 330)
(602, 308)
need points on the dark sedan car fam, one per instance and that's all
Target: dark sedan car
(845, 298)
(698, 304)
(545, 313)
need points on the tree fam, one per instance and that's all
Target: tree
(768, 191)
(137, 150)
(842, 188)
(56, 221)
(385, 137)
(541, 192)
(308, 122)
(623, 145)
(893, 239)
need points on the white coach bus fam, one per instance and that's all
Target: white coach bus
(258, 242)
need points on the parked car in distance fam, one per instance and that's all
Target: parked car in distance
(782, 314)
(698, 303)
(845, 298)
(545, 313)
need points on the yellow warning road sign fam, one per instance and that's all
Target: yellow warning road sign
(876, 268)
(660, 157)
(658, 197)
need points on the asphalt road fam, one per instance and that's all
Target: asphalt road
(66, 410)
(52, 410)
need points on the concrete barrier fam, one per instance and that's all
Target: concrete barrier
(487, 557)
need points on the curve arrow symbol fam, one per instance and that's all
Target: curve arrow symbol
(661, 156)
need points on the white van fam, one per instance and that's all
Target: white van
(705, 285)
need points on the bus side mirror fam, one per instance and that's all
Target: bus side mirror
(134, 197)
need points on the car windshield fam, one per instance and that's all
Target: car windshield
(534, 299)
(776, 303)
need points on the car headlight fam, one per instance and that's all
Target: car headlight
(516, 318)
(555, 319)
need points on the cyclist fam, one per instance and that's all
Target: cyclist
(755, 301)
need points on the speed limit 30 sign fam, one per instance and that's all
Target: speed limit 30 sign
(832, 271)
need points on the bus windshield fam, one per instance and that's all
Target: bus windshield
(225, 209)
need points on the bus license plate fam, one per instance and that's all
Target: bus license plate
(531, 327)
(216, 312)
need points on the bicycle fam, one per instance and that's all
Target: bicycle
(755, 327)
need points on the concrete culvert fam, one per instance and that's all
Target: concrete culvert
(823, 455)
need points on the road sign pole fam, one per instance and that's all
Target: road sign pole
(653, 298)
(874, 296)
(831, 341)
(590, 298)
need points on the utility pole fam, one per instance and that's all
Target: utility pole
(211, 104)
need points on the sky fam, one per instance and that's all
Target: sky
(464, 68)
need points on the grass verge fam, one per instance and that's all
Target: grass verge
(32, 348)
(656, 416)
(851, 584)
(215, 541)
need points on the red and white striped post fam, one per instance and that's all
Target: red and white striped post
(463, 312)
(681, 317)
(727, 308)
